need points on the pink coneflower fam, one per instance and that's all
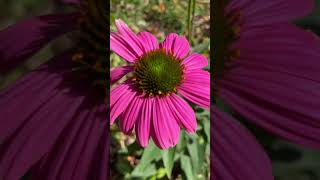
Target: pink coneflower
(267, 71)
(54, 121)
(149, 100)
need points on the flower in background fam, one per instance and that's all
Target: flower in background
(54, 122)
(148, 101)
(267, 70)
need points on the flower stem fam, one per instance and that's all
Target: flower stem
(191, 12)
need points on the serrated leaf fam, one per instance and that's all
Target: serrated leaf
(168, 160)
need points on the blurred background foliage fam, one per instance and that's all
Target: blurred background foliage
(190, 158)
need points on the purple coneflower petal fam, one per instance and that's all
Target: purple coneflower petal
(267, 89)
(149, 41)
(118, 72)
(143, 123)
(99, 168)
(130, 115)
(119, 45)
(77, 163)
(255, 13)
(182, 112)
(120, 97)
(178, 45)
(51, 164)
(196, 88)
(231, 146)
(282, 115)
(165, 130)
(24, 39)
(26, 91)
(131, 38)
(41, 131)
(283, 54)
(195, 61)
(43, 135)
(75, 153)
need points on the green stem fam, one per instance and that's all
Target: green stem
(189, 20)
(191, 12)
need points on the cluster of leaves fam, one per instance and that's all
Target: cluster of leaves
(188, 160)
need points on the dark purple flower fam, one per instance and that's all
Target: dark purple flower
(54, 120)
(266, 70)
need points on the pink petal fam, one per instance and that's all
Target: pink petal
(22, 40)
(149, 41)
(130, 115)
(196, 88)
(81, 150)
(123, 48)
(257, 13)
(283, 53)
(118, 72)
(182, 112)
(26, 90)
(143, 123)
(232, 145)
(129, 36)
(177, 45)
(165, 130)
(195, 61)
(120, 98)
(290, 125)
(42, 131)
(266, 84)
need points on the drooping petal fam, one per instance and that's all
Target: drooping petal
(100, 168)
(74, 155)
(120, 97)
(273, 101)
(44, 79)
(143, 123)
(231, 146)
(149, 41)
(259, 12)
(182, 112)
(295, 51)
(177, 45)
(49, 115)
(123, 48)
(130, 115)
(130, 37)
(41, 130)
(24, 39)
(118, 72)
(196, 88)
(195, 61)
(276, 86)
(165, 130)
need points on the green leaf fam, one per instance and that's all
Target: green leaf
(168, 160)
(206, 124)
(182, 142)
(151, 153)
(193, 151)
(185, 164)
